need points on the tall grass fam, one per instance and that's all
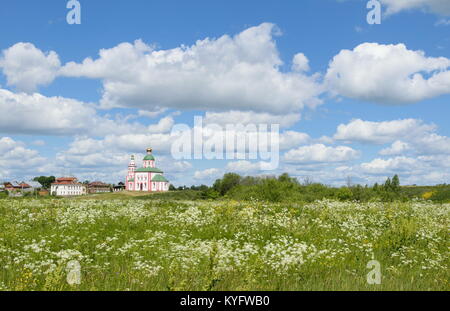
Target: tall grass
(132, 244)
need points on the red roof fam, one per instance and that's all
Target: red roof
(62, 179)
(16, 185)
(66, 181)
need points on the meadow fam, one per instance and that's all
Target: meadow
(131, 243)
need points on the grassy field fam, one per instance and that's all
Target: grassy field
(133, 243)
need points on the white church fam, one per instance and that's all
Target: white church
(149, 178)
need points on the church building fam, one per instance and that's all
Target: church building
(149, 178)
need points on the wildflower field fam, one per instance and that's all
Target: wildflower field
(133, 244)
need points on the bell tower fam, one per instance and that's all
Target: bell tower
(131, 167)
(149, 159)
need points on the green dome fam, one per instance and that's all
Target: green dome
(149, 157)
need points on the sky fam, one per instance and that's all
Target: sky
(351, 99)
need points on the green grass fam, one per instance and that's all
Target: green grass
(125, 242)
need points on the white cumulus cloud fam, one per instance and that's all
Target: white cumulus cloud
(250, 117)
(388, 74)
(207, 174)
(407, 135)
(397, 148)
(17, 160)
(26, 67)
(41, 115)
(320, 153)
(381, 132)
(228, 73)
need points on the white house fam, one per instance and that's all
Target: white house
(67, 186)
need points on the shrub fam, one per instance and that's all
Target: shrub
(441, 195)
(228, 182)
(344, 194)
(428, 195)
(210, 194)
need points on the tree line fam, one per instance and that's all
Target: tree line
(286, 188)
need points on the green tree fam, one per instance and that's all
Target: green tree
(45, 181)
(387, 184)
(375, 187)
(228, 182)
(288, 179)
(395, 184)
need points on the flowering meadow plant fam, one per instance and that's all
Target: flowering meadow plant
(129, 244)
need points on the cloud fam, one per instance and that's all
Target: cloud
(440, 7)
(27, 67)
(25, 114)
(381, 132)
(239, 73)
(397, 148)
(152, 114)
(432, 143)
(38, 142)
(94, 160)
(293, 139)
(300, 63)
(17, 160)
(320, 153)
(389, 166)
(63, 116)
(443, 22)
(126, 143)
(421, 170)
(209, 173)
(388, 74)
(407, 135)
(243, 167)
(250, 117)
(164, 125)
(227, 73)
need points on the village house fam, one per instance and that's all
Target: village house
(17, 189)
(149, 178)
(98, 187)
(22, 186)
(12, 186)
(119, 187)
(67, 186)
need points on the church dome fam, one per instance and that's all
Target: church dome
(149, 157)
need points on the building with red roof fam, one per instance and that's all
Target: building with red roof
(67, 186)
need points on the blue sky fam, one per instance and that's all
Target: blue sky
(353, 109)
